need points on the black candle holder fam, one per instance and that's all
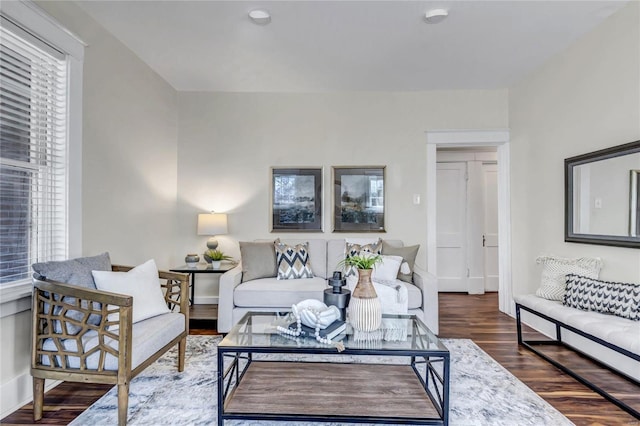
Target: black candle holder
(337, 282)
(336, 295)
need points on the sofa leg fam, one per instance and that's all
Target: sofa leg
(123, 403)
(38, 398)
(182, 346)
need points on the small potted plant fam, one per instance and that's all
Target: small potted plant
(363, 261)
(215, 257)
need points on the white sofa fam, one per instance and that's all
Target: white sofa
(273, 295)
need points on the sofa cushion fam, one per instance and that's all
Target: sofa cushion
(148, 337)
(589, 294)
(293, 261)
(258, 260)
(353, 249)
(387, 269)
(76, 272)
(142, 283)
(271, 292)
(555, 269)
(408, 253)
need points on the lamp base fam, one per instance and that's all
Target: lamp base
(212, 243)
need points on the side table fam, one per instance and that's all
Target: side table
(201, 268)
(339, 300)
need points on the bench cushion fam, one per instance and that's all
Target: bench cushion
(149, 336)
(618, 331)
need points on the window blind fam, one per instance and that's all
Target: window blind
(33, 153)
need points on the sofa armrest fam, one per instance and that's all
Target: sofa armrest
(428, 285)
(228, 282)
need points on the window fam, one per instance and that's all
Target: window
(33, 153)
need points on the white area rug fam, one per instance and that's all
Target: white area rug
(482, 392)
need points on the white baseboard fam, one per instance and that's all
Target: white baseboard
(476, 285)
(206, 300)
(18, 392)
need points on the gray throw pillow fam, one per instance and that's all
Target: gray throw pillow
(76, 272)
(73, 271)
(258, 260)
(408, 254)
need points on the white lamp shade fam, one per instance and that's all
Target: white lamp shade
(212, 224)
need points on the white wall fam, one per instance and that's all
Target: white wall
(129, 173)
(129, 150)
(584, 99)
(229, 141)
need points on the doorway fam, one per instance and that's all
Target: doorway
(467, 220)
(474, 139)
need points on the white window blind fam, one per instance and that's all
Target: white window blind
(33, 153)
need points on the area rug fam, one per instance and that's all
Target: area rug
(482, 392)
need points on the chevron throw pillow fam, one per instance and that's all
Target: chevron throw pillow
(589, 294)
(353, 249)
(293, 262)
(555, 270)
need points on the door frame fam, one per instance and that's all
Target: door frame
(474, 139)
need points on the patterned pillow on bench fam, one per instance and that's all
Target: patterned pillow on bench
(606, 297)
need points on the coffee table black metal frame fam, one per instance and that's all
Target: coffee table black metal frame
(435, 381)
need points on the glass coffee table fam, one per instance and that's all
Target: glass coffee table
(265, 375)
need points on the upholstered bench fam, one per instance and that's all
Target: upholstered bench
(611, 341)
(84, 334)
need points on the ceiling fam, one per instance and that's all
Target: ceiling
(316, 46)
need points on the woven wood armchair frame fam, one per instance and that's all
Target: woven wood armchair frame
(51, 303)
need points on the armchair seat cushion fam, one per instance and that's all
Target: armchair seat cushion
(149, 336)
(271, 292)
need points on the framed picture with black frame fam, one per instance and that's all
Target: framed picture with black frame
(296, 199)
(358, 199)
(634, 204)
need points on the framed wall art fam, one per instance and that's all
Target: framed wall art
(296, 199)
(358, 199)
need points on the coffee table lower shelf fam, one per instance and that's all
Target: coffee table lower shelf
(376, 393)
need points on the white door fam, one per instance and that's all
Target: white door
(451, 237)
(490, 234)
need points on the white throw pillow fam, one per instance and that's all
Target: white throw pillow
(142, 283)
(387, 270)
(555, 269)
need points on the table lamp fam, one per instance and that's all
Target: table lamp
(212, 224)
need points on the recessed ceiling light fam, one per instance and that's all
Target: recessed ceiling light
(435, 16)
(260, 17)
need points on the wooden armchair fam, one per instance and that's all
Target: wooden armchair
(113, 351)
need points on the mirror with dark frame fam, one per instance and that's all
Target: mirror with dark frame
(602, 197)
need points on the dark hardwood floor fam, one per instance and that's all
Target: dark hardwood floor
(474, 317)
